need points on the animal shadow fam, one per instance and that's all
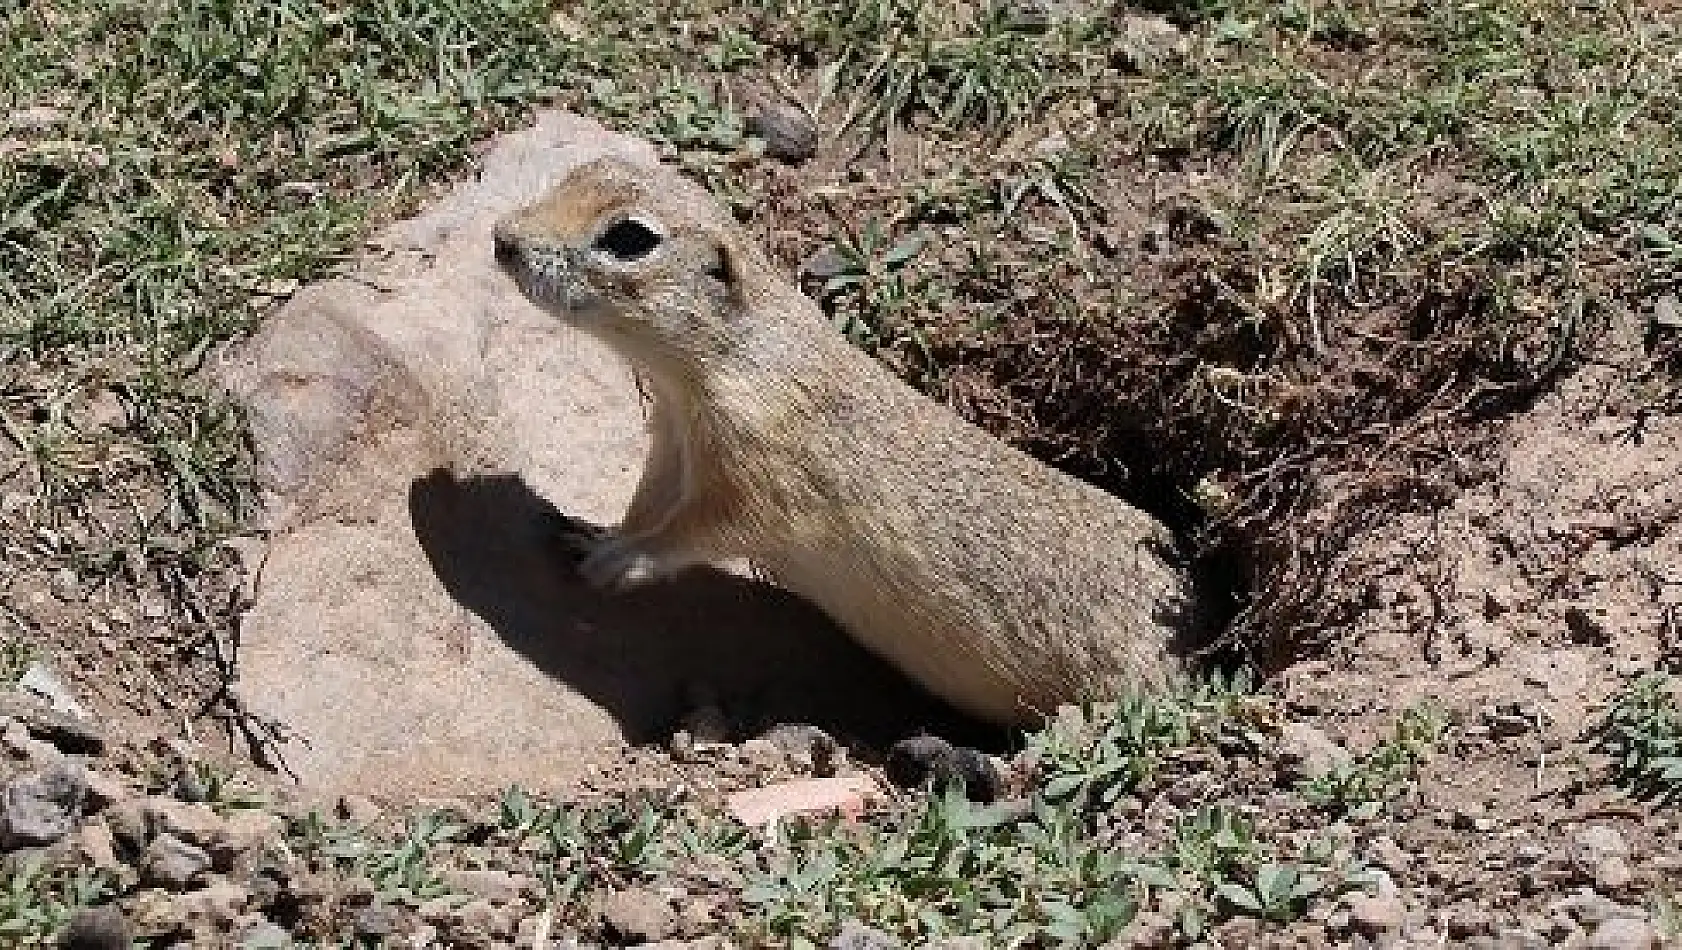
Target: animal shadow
(646, 656)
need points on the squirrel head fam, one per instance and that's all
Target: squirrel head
(636, 255)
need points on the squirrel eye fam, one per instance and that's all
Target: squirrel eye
(628, 239)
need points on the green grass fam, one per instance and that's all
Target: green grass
(1361, 787)
(1642, 731)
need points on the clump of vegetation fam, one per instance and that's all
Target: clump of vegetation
(1642, 732)
(1361, 787)
(1091, 757)
(36, 901)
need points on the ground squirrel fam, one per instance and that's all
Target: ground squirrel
(999, 583)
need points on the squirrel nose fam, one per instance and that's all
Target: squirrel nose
(507, 249)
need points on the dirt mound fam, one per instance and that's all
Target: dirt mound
(418, 428)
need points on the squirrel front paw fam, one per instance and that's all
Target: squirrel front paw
(616, 564)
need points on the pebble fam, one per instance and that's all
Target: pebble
(96, 846)
(357, 808)
(1305, 751)
(1590, 909)
(790, 134)
(498, 887)
(197, 824)
(40, 808)
(1623, 933)
(266, 935)
(70, 734)
(637, 915)
(1468, 920)
(1612, 875)
(1375, 916)
(857, 936)
(172, 863)
(97, 928)
(1600, 841)
(377, 921)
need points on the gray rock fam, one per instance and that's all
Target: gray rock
(1612, 874)
(498, 887)
(1591, 910)
(637, 915)
(377, 921)
(1305, 751)
(1376, 916)
(1586, 627)
(1596, 842)
(1667, 313)
(39, 809)
(856, 936)
(1623, 933)
(266, 935)
(72, 735)
(97, 928)
(807, 746)
(1467, 921)
(790, 134)
(172, 863)
(40, 680)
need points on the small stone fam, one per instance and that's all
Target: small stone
(1612, 874)
(637, 915)
(1387, 854)
(1623, 933)
(479, 917)
(1667, 313)
(357, 808)
(129, 824)
(1594, 842)
(498, 887)
(156, 915)
(762, 754)
(96, 846)
(65, 585)
(1469, 920)
(36, 117)
(266, 935)
(97, 928)
(438, 911)
(1376, 916)
(856, 936)
(39, 680)
(39, 809)
(1305, 751)
(790, 134)
(215, 906)
(923, 761)
(244, 836)
(104, 790)
(377, 922)
(808, 747)
(192, 822)
(842, 794)
(172, 863)
(1585, 627)
(1591, 909)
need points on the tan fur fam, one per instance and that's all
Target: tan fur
(1001, 584)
